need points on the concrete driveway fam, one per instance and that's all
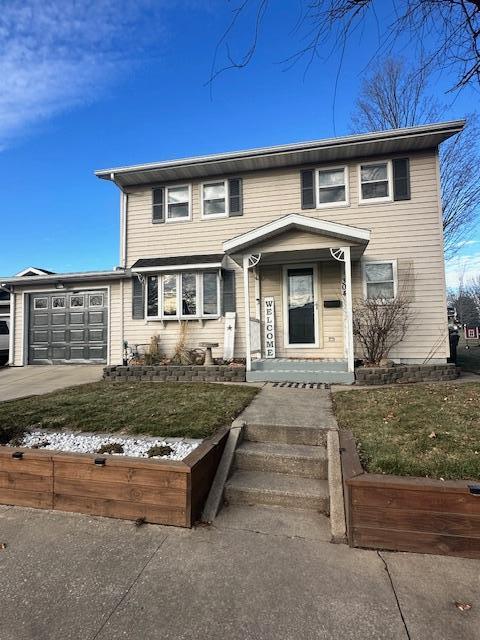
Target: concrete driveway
(18, 382)
(74, 577)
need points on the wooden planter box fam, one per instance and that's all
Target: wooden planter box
(408, 514)
(159, 491)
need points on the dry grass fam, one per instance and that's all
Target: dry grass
(415, 430)
(159, 409)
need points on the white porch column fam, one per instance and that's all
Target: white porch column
(246, 298)
(349, 309)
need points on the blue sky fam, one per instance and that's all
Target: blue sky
(97, 84)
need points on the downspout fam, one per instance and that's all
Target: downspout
(11, 344)
(123, 260)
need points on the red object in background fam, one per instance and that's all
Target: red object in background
(472, 333)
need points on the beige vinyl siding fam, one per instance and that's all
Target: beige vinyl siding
(408, 231)
(115, 348)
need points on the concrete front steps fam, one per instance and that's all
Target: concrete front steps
(305, 371)
(280, 466)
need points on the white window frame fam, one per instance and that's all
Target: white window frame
(59, 297)
(393, 262)
(95, 306)
(213, 216)
(76, 295)
(35, 300)
(178, 186)
(330, 205)
(388, 198)
(200, 315)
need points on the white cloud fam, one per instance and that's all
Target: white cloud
(57, 54)
(462, 268)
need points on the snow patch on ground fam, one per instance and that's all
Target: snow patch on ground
(91, 443)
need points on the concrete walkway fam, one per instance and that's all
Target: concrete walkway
(73, 577)
(18, 382)
(290, 407)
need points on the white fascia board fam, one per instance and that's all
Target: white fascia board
(37, 272)
(178, 267)
(296, 221)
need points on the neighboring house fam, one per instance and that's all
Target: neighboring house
(312, 226)
(5, 312)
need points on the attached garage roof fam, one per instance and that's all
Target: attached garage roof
(298, 222)
(85, 276)
(170, 263)
(299, 153)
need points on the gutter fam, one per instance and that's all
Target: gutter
(61, 278)
(453, 126)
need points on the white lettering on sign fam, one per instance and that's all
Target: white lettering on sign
(269, 309)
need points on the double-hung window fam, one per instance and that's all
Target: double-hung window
(183, 295)
(380, 280)
(178, 203)
(375, 181)
(332, 186)
(215, 199)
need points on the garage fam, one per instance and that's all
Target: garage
(68, 327)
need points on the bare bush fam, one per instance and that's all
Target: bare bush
(379, 325)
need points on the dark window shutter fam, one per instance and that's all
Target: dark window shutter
(158, 209)
(401, 179)
(228, 280)
(308, 189)
(235, 196)
(138, 299)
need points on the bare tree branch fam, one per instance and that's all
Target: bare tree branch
(452, 25)
(394, 96)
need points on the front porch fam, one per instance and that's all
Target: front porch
(329, 371)
(297, 294)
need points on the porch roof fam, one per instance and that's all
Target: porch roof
(296, 222)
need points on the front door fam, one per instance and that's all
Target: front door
(300, 303)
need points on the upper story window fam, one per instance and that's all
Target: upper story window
(332, 186)
(215, 199)
(375, 181)
(380, 280)
(178, 202)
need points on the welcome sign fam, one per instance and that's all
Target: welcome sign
(269, 315)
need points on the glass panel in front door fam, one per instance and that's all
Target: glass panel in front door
(301, 307)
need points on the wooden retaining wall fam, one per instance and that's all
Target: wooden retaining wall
(408, 514)
(159, 491)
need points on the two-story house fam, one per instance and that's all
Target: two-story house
(264, 252)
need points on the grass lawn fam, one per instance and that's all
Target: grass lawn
(157, 409)
(415, 430)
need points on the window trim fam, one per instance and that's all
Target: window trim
(389, 198)
(214, 216)
(200, 315)
(35, 300)
(331, 205)
(393, 262)
(169, 220)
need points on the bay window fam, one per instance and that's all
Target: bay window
(183, 295)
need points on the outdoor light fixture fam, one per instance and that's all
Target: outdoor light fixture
(18, 455)
(100, 461)
(59, 285)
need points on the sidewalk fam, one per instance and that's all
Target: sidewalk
(73, 577)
